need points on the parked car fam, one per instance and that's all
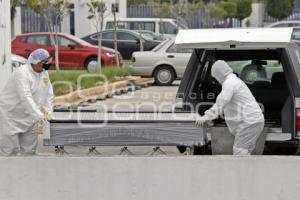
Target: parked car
(74, 53)
(165, 63)
(17, 61)
(127, 41)
(167, 27)
(281, 24)
(276, 89)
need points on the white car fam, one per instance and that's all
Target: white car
(281, 24)
(17, 61)
(165, 63)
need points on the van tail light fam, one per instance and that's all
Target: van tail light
(298, 121)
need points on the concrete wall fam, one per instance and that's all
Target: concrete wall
(16, 23)
(83, 26)
(257, 16)
(148, 178)
(5, 38)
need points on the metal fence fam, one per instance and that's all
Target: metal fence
(32, 22)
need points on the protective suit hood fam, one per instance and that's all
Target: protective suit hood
(38, 55)
(220, 70)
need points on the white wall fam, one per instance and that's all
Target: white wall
(83, 26)
(257, 16)
(5, 38)
(149, 178)
(16, 24)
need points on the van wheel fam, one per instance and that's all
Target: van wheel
(91, 64)
(164, 75)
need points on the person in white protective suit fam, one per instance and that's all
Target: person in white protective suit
(25, 101)
(243, 115)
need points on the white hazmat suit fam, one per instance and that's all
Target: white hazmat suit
(23, 102)
(243, 115)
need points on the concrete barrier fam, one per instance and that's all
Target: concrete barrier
(148, 178)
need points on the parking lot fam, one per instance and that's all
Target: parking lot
(154, 98)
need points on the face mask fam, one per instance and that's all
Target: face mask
(46, 66)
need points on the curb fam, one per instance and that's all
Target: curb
(90, 95)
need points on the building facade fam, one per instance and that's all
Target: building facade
(79, 25)
(76, 23)
(5, 55)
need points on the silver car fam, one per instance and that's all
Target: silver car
(166, 62)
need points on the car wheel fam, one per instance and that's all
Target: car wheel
(91, 64)
(164, 75)
(253, 73)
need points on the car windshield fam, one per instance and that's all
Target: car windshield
(79, 41)
(158, 47)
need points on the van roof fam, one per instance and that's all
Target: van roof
(241, 38)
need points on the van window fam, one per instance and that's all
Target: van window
(296, 34)
(109, 25)
(120, 25)
(168, 28)
(251, 71)
(149, 26)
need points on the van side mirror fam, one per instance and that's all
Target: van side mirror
(137, 41)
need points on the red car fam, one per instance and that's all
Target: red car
(74, 53)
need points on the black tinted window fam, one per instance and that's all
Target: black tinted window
(125, 36)
(168, 28)
(107, 36)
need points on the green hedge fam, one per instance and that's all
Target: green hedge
(64, 79)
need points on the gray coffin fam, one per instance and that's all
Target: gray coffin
(121, 129)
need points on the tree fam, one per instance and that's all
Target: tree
(97, 10)
(280, 9)
(53, 11)
(223, 9)
(243, 9)
(187, 9)
(217, 12)
(13, 8)
(194, 7)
